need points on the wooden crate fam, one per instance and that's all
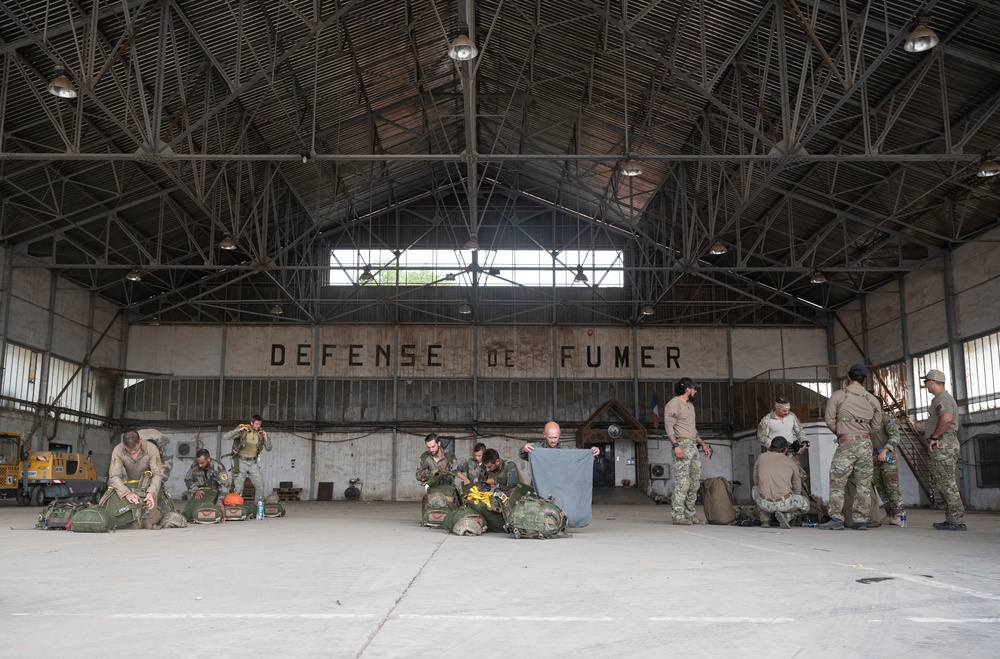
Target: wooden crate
(288, 493)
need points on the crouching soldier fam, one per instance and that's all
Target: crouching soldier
(204, 481)
(129, 461)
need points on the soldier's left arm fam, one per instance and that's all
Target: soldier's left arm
(267, 441)
(156, 467)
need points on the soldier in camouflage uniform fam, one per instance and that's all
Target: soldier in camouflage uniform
(679, 424)
(885, 441)
(471, 470)
(499, 474)
(248, 443)
(435, 460)
(942, 437)
(204, 473)
(852, 414)
(129, 461)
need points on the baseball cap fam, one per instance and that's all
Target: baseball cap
(859, 370)
(935, 375)
(687, 383)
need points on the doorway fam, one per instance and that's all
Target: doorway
(604, 465)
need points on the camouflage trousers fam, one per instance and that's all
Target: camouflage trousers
(943, 463)
(852, 461)
(687, 480)
(249, 469)
(791, 503)
(886, 480)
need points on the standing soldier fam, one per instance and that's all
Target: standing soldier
(885, 441)
(679, 425)
(942, 437)
(162, 443)
(249, 441)
(782, 422)
(852, 414)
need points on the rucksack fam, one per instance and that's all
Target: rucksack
(57, 514)
(716, 502)
(273, 506)
(534, 517)
(238, 512)
(91, 519)
(464, 521)
(204, 509)
(437, 501)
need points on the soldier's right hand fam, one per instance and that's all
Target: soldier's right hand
(199, 494)
(528, 448)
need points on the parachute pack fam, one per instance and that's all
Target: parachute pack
(534, 517)
(112, 511)
(57, 514)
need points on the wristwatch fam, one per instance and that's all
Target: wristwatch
(674, 445)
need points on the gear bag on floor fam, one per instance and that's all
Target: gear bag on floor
(534, 517)
(716, 502)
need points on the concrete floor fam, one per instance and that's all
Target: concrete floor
(347, 579)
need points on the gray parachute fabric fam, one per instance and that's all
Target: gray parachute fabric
(567, 475)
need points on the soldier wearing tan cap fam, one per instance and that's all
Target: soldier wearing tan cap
(942, 438)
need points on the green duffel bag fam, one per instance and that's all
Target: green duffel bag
(91, 519)
(206, 501)
(57, 514)
(238, 512)
(464, 521)
(273, 506)
(437, 501)
(533, 517)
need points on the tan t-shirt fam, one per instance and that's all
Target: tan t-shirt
(775, 475)
(853, 411)
(679, 420)
(943, 403)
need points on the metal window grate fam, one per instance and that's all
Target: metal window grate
(987, 460)
(982, 356)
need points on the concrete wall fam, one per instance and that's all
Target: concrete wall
(57, 318)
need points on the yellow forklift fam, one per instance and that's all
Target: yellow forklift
(50, 474)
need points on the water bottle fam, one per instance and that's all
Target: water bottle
(260, 509)
(888, 458)
(902, 519)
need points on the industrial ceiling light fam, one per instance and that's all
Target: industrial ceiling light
(276, 310)
(988, 168)
(472, 244)
(631, 167)
(133, 275)
(62, 86)
(647, 310)
(462, 49)
(154, 321)
(817, 278)
(465, 309)
(227, 243)
(580, 275)
(367, 274)
(921, 38)
(718, 249)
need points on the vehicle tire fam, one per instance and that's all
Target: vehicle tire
(95, 498)
(38, 496)
(22, 499)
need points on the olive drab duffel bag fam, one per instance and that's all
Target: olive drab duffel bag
(534, 517)
(57, 514)
(464, 521)
(273, 506)
(112, 511)
(716, 501)
(486, 504)
(204, 509)
(439, 498)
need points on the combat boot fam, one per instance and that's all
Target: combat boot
(682, 522)
(695, 520)
(950, 526)
(832, 525)
(894, 521)
(782, 520)
(859, 526)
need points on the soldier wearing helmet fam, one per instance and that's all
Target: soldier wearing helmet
(679, 424)
(852, 414)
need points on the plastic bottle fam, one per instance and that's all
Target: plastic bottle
(260, 509)
(888, 457)
(902, 519)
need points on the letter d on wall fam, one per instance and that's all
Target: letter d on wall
(277, 354)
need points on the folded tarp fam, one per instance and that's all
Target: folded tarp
(568, 476)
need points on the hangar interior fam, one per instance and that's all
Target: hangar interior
(321, 213)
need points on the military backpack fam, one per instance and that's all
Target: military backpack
(464, 521)
(57, 514)
(534, 517)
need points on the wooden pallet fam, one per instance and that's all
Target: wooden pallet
(288, 493)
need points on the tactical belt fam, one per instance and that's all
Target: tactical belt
(784, 498)
(851, 438)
